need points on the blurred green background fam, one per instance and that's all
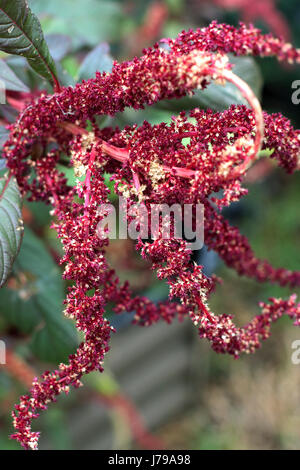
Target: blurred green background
(220, 403)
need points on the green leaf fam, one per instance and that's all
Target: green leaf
(11, 225)
(4, 133)
(33, 302)
(18, 306)
(64, 78)
(20, 67)
(111, 186)
(99, 59)
(21, 34)
(87, 22)
(55, 341)
(33, 271)
(11, 81)
(219, 97)
(59, 45)
(10, 114)
(70, 65)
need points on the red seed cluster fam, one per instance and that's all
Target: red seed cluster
(226, 337)
(185, 162)
(242, 41)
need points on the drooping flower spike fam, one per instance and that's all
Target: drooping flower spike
(150, 164)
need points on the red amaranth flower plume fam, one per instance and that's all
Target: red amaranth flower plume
(151, 165)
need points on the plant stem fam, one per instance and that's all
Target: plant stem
(258, 114)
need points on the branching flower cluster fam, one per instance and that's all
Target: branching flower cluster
(152, 164)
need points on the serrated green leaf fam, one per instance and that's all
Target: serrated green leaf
(11, 225)
(11, 81)
(99, 59)
(21, 34)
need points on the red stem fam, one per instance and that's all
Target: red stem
(17, 104)
(19, 369)
(258, 114)
(205, 310)
(49, 182)
(57, 87)
(87, 181)
(122, 154)
(132, 416)
(75, 130)
(6, 184)
(136, 181)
